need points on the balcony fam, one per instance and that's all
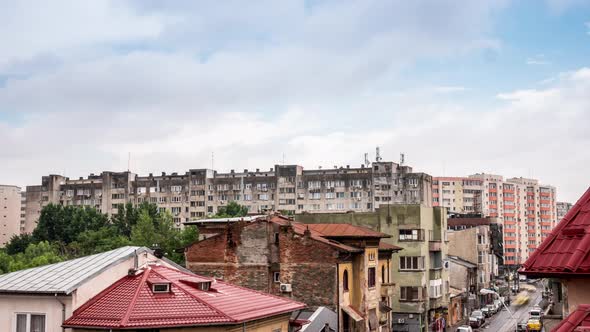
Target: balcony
(434, 245)
(387, 289)
(435, 273)
(438, 302)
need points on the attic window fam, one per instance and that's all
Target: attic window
(161, 288)
(204, 286)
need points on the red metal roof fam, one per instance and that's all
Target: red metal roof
(345, 230)
(577, 321)
(387, 246)
(566, 249)
(130, 303)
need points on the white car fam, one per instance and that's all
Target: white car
(464, 328)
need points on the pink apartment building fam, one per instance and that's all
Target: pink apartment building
(526, 208)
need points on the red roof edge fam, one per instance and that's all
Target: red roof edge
(571, 322)
(562, 224)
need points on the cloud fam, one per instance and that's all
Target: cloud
(323, 83)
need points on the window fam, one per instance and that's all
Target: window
(27, 322)
(409, 293)
(175, 209)
(383, 274)
(409, 263)
(175, 188)
(161, 288)
(356, 194)
(371, 277)
(411, 235)
(435, 288)
(276, 276)
(330, 195)
(176, 199)
(276, 237)
(345, 281)
(315, 195)
(339, 195)
(263, 197)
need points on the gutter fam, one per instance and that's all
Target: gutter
(63, 312)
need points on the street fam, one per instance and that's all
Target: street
(504, 322)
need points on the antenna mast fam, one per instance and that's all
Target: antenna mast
(377, 154)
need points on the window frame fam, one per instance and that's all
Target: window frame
(276, 277)
(28, 321)
(371, 277)
(345, 280)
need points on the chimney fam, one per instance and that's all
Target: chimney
(158, 252)
(271, 169)
(232, 171)
(347, 166)
(257, 170)
(81, 178)
(245, 170)
(163, 173)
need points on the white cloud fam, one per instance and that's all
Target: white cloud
(276, 78)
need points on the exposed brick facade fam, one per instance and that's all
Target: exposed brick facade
(247, 254)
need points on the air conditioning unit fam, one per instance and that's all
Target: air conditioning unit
(286, 288)
(401, 321)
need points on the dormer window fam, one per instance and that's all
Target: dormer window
(161, 288)
(204, 286)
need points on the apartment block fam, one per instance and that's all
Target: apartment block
(420, 271)
(562, 209)
(9, 212)
(526, 208)
(198, 193)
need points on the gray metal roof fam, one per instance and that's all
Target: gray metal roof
(64, 277)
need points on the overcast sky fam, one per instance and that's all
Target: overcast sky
(459, 86)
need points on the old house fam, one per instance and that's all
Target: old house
(420, 270)
(41, 298)
(341, 267)
(564, 259)
(155, 297)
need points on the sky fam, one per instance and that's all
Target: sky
(459, 87)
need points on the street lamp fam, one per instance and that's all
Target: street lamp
(485, 291)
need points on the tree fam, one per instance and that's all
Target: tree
(127, 216)
(63, 224)
(232, 209)
(93, 242)
(18, 243)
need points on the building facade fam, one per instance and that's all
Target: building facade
(420, 270)
(562, 209)
(198, 193)
(10, 211)
(340, 267)
(527, 209)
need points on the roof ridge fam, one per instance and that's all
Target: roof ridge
(199, 299)
(144, 277)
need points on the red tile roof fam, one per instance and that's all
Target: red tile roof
(566, 250)
(130, 303)
(345, 230)
(577, 321)
(300, 229)
(387, 246)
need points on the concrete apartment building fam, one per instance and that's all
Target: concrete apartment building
(10, 211)
(526, 208)
(420, 271)
(198, 193)
(562, 209)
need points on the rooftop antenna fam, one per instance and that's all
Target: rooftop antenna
(367, 162)
(377, 154)
(402, 158)
(283, 159)
(128, 161)
(212, 160)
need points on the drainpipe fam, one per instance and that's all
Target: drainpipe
(63, 312)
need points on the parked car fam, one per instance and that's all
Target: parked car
(536, 313)
(474, 322)
(492, 309)
(477, 314)
(499, 306)
(486, 311)
(464, 328)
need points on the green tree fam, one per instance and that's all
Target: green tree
(93, 242)
(232, 209)
(18, 243)
(36, 254)
(144, 232)
(127, 216)
(63, 224)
